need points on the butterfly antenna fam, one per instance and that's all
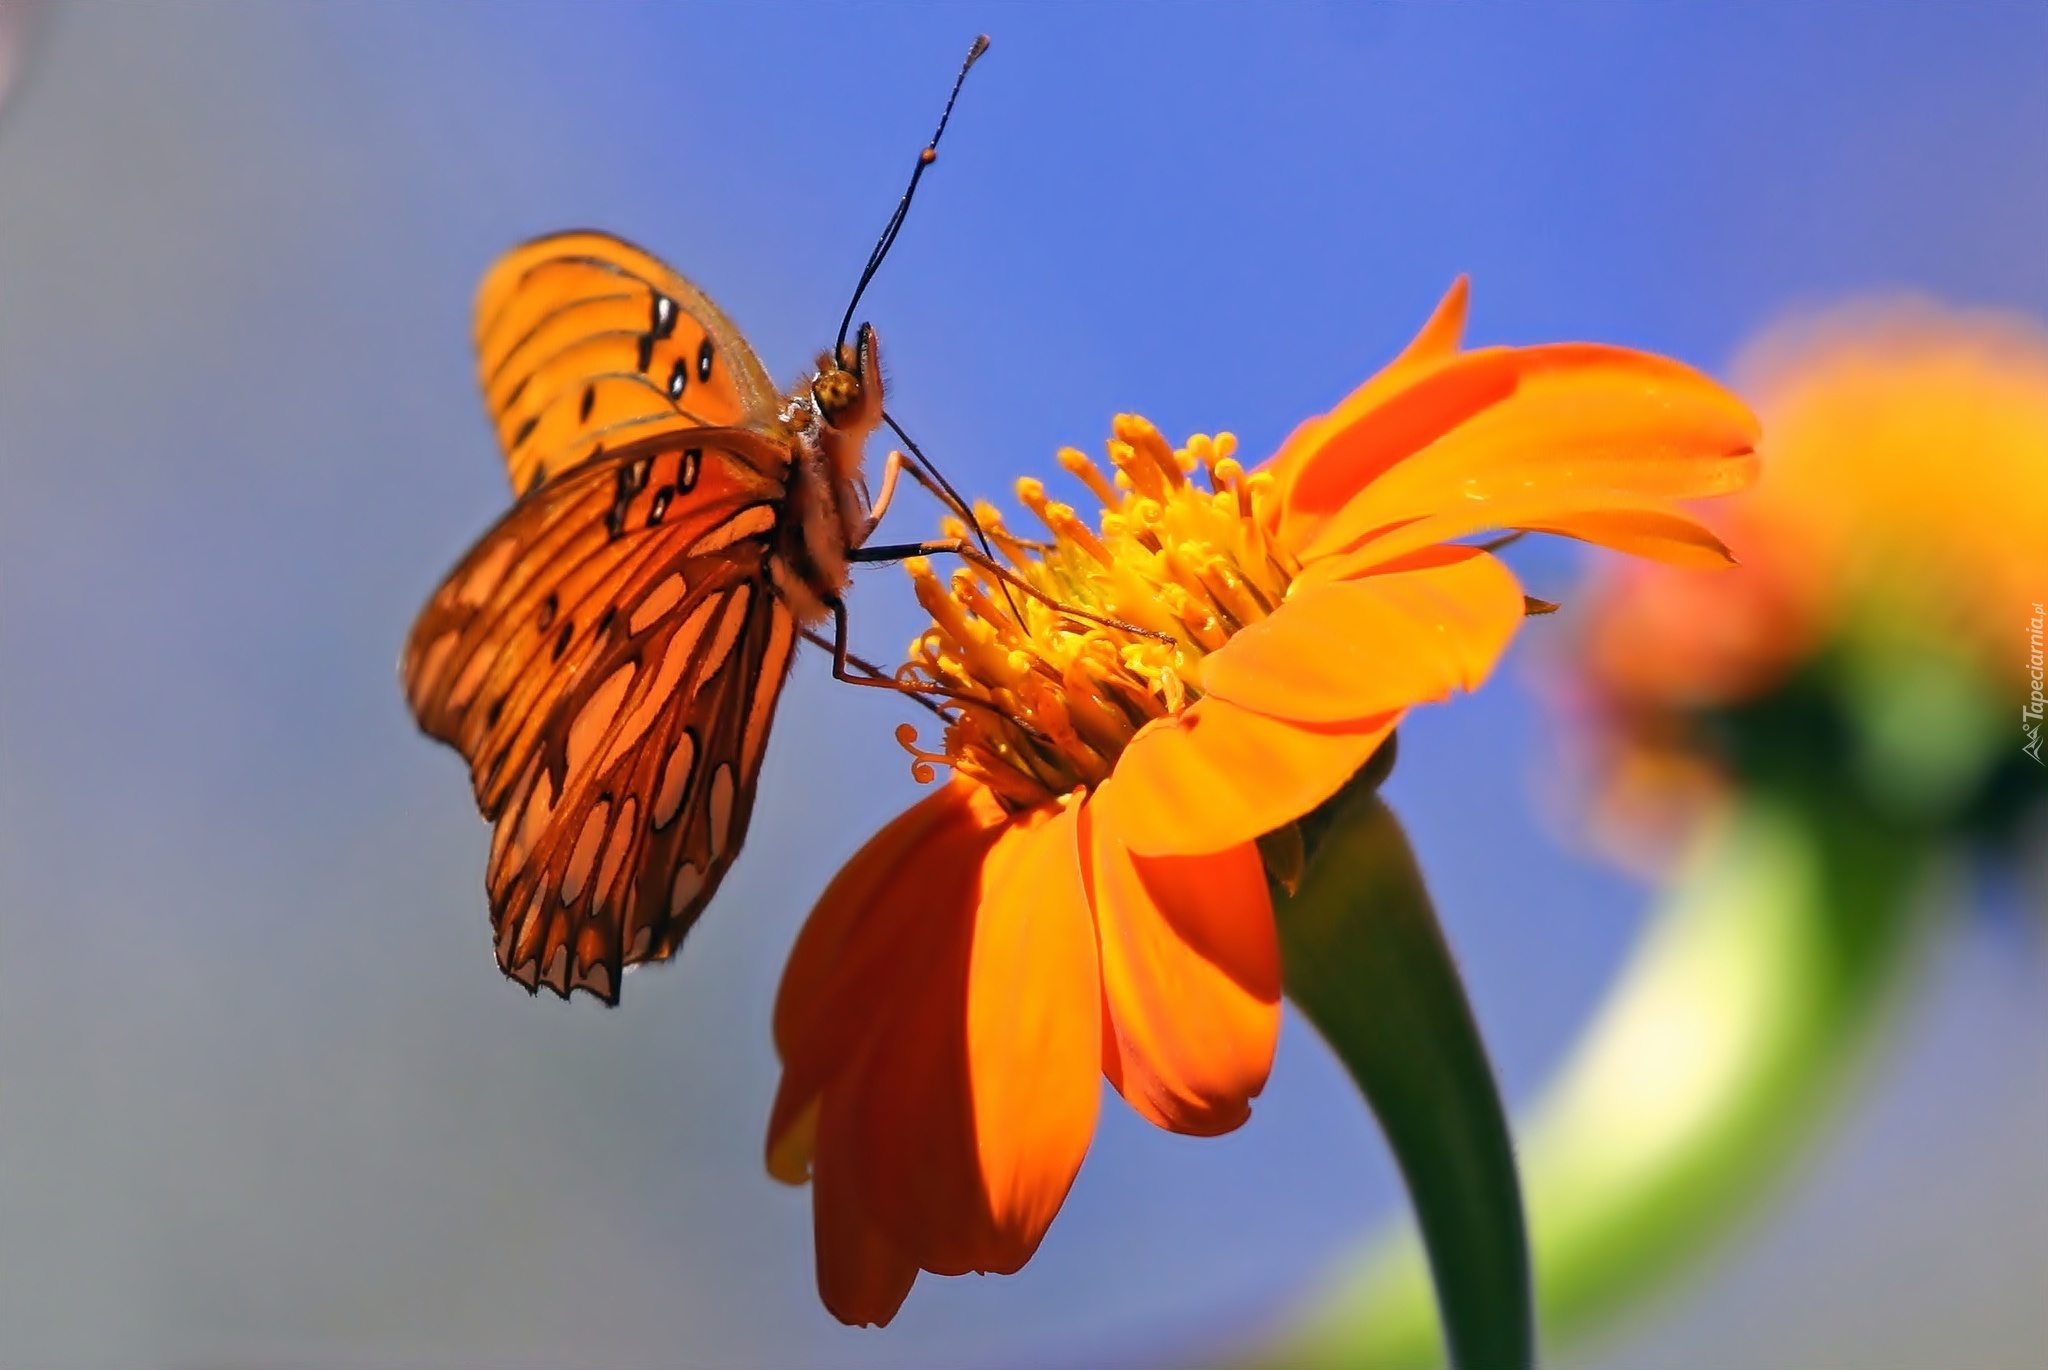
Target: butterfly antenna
(924, 159)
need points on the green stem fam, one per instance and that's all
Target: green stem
(1736, 1025)
(1367, 964)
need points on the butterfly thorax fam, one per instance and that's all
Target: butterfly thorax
(829, 418)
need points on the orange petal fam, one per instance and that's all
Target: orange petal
(1436, 343)
(966, 1116)
(865, 943)
(1351, 649)
(1218, 776)
(1190, 980)
(863, 1276)
(1034, 1028)
(1669, 535)
(957, 808)
(1586, 428)
(1403, 421)
(899, 1124)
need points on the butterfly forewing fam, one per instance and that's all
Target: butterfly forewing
(586, 343)
(607, 660)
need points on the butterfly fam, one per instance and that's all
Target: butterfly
(608, 657)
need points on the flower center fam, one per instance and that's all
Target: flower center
(1042, 695)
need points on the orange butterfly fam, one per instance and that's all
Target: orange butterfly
(608, 657)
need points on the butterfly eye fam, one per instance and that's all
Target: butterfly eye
(836, 390)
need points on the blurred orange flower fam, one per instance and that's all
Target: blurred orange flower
(1128, 718)
(1902, 521)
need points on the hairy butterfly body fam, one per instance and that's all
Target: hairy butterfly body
(607, 658)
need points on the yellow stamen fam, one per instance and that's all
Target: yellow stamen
(1149, 443)
(1044, 701)
(1230, 476)
(922, 761)
(1133, 467)
(1077, 464)
(1204, 452)
(969, 590)
(971, 635)
(1059, 520)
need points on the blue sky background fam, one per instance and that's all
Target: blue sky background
(264, 1097)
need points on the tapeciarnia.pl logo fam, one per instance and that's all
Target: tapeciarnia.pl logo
(2030, 712)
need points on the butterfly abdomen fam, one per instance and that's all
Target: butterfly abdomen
(809, 564)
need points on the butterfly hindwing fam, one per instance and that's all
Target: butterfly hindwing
(586, 343)
(621, 609)
(611, 844)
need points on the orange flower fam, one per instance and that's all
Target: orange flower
(1907, 496)
(1901, 526)
(1151, 697)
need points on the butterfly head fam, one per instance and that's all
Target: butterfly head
(847, 391)
(831, 417)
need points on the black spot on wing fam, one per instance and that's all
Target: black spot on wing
(704, 360)
(628, 481)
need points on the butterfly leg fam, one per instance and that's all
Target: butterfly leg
(891, 470)
(870, 674)
(973, 556)
(875, 678)
(926, 474)
(896, 465)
